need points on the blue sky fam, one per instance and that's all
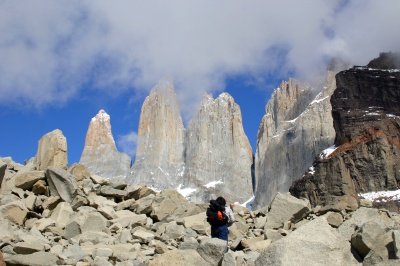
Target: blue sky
(24, 127)
(61, 61)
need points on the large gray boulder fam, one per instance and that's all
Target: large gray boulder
(79, 171)
(315, 243)
(137, 192)
(256, 243)
(40, 258)
(296, 127)
(62, 214)
(179, 258)
(372, 236)
(26, 180)
(362, 216)
(212, 250)
(100, 154)
(144, 205)
(94, 222)
(15, 212)
(61, 183)
(170, 205)
(6, 231)
(127, 218)
(285, 208)
(197, 222)
(173, 231)
(52, 151)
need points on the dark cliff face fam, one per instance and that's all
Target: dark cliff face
(363, 99)
(366, 156)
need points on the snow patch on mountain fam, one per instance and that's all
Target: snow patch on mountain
(381, 196)
(186, 192)
(212, 184)
(325, 153)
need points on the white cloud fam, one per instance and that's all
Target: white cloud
(49, 49)
(128, 143)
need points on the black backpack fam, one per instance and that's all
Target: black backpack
(212, 214)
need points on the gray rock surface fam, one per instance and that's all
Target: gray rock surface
(372, 236)
(79, 171)
(26, 180)
(335, 219)
(212, 250)
(396, 243)
(35, 259)
(52, 151)
(217, 150)
(159, 158)
(297, 126)
(62, 214)
(100, 154)
(15, 212)
(3, 167)
(170, 205)
(164, 228)
(61, 183)
(179, 258)
(315, 243)
(285, 208)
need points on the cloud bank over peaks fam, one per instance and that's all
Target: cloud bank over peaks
(52, 51)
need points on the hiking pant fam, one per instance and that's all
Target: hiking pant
(220, 232)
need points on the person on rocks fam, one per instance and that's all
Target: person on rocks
(219, 216)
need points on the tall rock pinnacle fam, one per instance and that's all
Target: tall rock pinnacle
(217, 149)
(100, 154)
(297, 126)
(160, 150)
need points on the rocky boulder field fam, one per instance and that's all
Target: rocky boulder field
(66, 216)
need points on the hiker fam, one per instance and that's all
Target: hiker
(219, 217)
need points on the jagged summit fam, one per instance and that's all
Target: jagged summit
(222, 99)
(163, 91)
(101, 116)
(100, 154)
(388, 60)
(99, 132)
(226, 97)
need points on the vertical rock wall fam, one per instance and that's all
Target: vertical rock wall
(217, 150)
(296, 127)
(212, 158)
(160, 150)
